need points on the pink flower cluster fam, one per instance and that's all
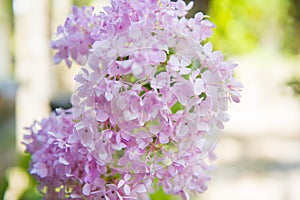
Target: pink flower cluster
(149, 102)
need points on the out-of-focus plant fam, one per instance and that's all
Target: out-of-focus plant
(31, 192)
(81, 3)
(295, 85)
(291, 41)
(244, 24)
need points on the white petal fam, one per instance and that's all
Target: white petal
(126, 189)
(184, 71)
(199, 86)
(128, 116)
(108, 96)
(202, 126)
(208, 48)
(182, 130)
(154, 129)
(111, 53)
(185, 62)
(86, 190)
(125, 63)
(174, 61)
(210, 78)
(176, 68)
(101, 116)
(140, 188)
(74, 196)
(136, 69)
(63, 161)
(121, 102)
(86, 137)
(163, 139)
(102, 154)
(127, 177)
(190, 5)
(121, 183)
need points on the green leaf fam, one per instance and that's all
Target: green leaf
(147, 86)
(171, 51)
(177, 106)
(159, 195)
(203, 96)
(81, 3)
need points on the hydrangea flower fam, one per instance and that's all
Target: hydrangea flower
(150, 99)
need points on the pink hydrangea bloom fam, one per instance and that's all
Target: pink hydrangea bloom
(149, 102)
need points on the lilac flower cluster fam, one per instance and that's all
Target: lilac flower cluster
(149, 102)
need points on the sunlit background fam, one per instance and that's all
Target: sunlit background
(259, 151)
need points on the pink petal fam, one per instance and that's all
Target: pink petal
(72, 139)
(158, 56)
(180, 5)
(118, 138)
(223, 104)
(40, 169)
(172, 170)
(235, 96)
(85, 136)
(57, 58)
(102, 153)
(184, 195)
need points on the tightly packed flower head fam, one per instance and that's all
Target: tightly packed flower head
(149, 102)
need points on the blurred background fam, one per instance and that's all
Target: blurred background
(259, 151)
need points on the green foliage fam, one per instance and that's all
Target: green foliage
(244, 24)
(3, 186)
(176, 107)
(291, 28)
(295, 85)
(160, 195)
(233, 33)
(31, 192)
(81, 3)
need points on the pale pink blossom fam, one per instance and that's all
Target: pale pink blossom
(149, 101)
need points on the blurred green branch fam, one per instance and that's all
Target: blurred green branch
(291, 27)
(81, 3)
(295, 85)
